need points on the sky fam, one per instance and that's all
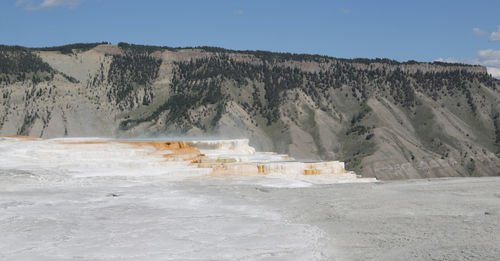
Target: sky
(424, 30)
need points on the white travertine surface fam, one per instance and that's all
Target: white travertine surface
(99, 199)
(112, 201)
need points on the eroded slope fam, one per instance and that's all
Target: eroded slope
(383, 118)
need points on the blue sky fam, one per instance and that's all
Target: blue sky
(463, 31)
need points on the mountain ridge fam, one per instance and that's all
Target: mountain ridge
(386, 119)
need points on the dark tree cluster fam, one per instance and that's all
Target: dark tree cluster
(199, 81)
(496, 125)
(276, 79)
(356, 127)
(128, 71)
(19, 64)
(138, 49)
(68, 49)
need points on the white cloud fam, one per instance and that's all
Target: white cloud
(495, 72)
(449, 60)
(239, 12)
(495, 36)
(454, 60)
(55, 3)
(479, 32)
(489, 58)
(47, 4)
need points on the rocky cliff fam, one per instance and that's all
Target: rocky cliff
(385, 119)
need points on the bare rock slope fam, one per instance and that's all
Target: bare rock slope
(385, 119)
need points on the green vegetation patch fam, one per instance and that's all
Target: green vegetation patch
(69, 48)
(430, 133)
(357, 140)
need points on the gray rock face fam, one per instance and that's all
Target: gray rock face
(385, 119)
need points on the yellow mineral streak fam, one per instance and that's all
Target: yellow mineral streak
(24, 137)
(222, 164)
(171, 150)
(175, 150)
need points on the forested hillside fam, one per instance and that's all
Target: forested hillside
(383, 118)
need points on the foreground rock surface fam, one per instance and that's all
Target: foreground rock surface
(95, 200)
(436, 219)
(249, 218)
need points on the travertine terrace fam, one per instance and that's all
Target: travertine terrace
(206, 157)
